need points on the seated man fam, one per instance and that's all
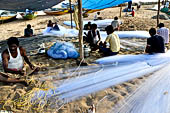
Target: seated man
(93, 37)
(49, 26)
(115, 24)
(133, 12)
(28, 32)
(164, 32)
(56, 28)
(155, 44)
(113, 40)
(97, 16)
(87, 26)
(13, 61)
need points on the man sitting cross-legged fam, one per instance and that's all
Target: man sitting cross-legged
(13, 61)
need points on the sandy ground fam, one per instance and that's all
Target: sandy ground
(109, 96)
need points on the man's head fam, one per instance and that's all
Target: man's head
(152, 31)
(161, 25)
(89, 23)
(132, 8)
(94, 26)
(13, 43)
(109, 29)
(115, 18)
(29, 26)
(50, 21)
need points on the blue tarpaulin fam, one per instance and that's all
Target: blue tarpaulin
(101, 4)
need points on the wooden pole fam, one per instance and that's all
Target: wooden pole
(71, 14)
(120, 10)
(80, 30)
(158, 12)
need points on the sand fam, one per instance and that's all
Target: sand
(103, 100)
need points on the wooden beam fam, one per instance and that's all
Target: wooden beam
(120, 10)
(158, 12)
(80, 30)
(71, 14)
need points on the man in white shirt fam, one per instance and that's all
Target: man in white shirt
(164, 32)
(97, 16)
(115, 24)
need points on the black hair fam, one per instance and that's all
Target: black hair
(152, 31)
(161, 25)
(49, 21)
(89, 22)
(28, 26)
(13, 40)
(98, 13)
(109, 28)
(94, 26)
(115, 18)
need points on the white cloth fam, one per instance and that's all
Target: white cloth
(15, 63)
(164, 32)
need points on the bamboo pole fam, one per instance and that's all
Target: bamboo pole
(120, 10)
(71, 14)
(158, 12)
(80, 30)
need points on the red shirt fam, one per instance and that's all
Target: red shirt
(133, 13)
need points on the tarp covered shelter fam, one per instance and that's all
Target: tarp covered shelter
(21, 5)
(101, 4)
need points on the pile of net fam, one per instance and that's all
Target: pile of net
(63, 50)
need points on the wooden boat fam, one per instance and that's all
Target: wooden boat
(92, 10)
(29, 16)
(7, 16)
(56, 12)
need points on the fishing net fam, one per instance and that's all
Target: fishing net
(65, 86)
(151, 97)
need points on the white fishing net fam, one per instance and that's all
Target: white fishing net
(152, 97)
(83, 82)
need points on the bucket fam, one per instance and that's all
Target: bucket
(86, 51)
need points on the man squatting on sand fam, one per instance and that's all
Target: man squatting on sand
(13, 61)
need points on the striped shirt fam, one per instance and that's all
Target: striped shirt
(164, 32)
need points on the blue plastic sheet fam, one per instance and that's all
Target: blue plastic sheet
(101, 4)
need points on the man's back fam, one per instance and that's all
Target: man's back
(156, 44)
(115, 24)
(28, 32)
(113, 40)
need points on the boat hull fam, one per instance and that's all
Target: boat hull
(4, 19)
(56, 12)
(29, 16)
